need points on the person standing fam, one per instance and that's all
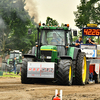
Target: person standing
(78, 42)
(14, 66)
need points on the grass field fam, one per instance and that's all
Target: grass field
(7, 74)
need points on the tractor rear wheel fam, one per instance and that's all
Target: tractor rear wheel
(18, 68)
(81, 69)
(65, 72)
(24, 78)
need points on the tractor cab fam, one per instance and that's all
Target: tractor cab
(53, 43)
(55, 39)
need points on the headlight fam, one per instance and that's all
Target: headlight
(48, 57)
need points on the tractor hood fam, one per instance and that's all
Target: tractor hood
(49, 48)
(49, 53)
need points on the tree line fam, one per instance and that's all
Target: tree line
(14, 24)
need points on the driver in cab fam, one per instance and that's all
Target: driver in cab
(55, 40)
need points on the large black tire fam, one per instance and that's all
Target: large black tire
(24, 78)
(81, 68)
(65, 72)
(18, 68)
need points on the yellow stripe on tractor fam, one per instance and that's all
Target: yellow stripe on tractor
(48, 50)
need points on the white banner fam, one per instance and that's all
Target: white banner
(89, 52)
(40, 69)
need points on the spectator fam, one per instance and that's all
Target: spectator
(14, 66)
(90, 41)
(78, 42)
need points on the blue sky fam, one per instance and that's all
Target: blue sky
(60, 10)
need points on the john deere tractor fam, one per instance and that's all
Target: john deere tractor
(55, 57)
(18, 55)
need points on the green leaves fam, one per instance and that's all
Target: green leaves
(51, 21)
(14, 24)
(87, 13)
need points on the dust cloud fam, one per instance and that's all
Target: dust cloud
(32, 9)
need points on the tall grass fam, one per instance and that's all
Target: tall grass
(7, 74)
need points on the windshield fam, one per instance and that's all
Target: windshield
(53, 37)
(17, 55)
(12, 55)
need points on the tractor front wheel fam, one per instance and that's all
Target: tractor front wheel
(65, 72)
(24, 78)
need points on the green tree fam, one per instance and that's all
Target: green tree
(62, 24)
(50, 21)
(87, 13)
(14, 30)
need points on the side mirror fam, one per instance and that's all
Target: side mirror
(29, 31)
(74, 32)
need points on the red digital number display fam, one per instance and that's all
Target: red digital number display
(91, 32)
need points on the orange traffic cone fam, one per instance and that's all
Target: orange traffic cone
(56, 98)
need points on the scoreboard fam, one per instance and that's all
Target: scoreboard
(91, 31)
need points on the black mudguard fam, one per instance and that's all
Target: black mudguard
(87, 72)
(29, 56)
(65, 57)
(76, 51)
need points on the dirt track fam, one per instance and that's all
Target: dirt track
(12, 89)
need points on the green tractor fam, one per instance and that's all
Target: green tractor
(18, 55)
(55, 57)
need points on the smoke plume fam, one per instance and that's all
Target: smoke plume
(32, 9)
(2, 23)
